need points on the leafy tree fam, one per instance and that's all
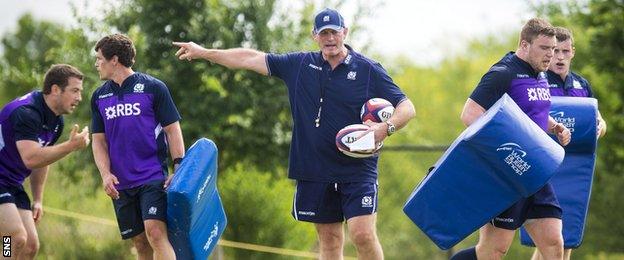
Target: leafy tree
(600, 58)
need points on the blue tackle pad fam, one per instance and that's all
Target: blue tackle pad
(499, 159)
(573, 180)
(195, 216)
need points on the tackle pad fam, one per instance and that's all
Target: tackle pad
(499, 159)
(572, 182)
(195, 216)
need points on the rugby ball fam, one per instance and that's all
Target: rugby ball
(376, 110)
(348, 135)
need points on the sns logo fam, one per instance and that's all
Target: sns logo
(536, 94)
(120, 110)
(560, 117)
(514, 158)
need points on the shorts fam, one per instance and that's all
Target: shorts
(135, 205)
(324, 202)
(15, 195)
(542, 204)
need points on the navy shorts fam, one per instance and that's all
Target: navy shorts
(542, 204)
(148, 201)
(15, 195)
(323, 202)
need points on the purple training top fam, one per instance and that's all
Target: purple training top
(528, 88)
(132, 117)
(574, 85)
(25, 118)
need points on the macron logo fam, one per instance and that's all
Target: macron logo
(315, 67)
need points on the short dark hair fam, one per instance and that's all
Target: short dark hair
(59, 74)
(117, 45)
(534, 28)
(563, 34)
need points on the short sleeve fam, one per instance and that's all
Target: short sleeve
(492, 86)
(26, 123)
(166, 111)
(284, 66)
(97, 124)
(385, 87)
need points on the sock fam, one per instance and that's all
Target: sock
(466, 254)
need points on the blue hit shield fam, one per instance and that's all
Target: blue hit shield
(502, 157)
(195, 216)
(573, 180)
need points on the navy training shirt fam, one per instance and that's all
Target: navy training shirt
(132, 117)
(25, 118)
(528, 88)
(573, 86)
(313, 152)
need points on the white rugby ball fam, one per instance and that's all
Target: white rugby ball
(348, 135)
(376, 110)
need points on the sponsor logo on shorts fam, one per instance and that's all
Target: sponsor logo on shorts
(560, 117)
(126, 231)
(306, 213)
(213, 234)
(152, 211)
(508, 220)
(6, 194)
(367, 202)
(514, 159)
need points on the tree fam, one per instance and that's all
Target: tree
(599, 34)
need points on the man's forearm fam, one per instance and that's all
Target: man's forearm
(238, 58)
(403, 113)
(34, 156)
(37, 182)
(175, 140)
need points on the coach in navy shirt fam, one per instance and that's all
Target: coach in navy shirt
(326, 90)
(29, 127)
(522, 76)
(135, 123)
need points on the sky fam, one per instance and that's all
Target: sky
(423, 31)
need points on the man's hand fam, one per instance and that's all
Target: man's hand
(563, 134)
(380, 129)
(188, 50)
(37, 211)
(168, 181)
(109, 182)
(79, 140)
(601, 127)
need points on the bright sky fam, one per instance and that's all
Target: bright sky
(421, 30)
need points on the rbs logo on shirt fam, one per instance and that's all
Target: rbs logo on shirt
(119, 110)
(538, 94)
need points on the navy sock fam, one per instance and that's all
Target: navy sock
(466, 254)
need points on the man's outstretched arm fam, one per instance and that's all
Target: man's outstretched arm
(238, 58)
